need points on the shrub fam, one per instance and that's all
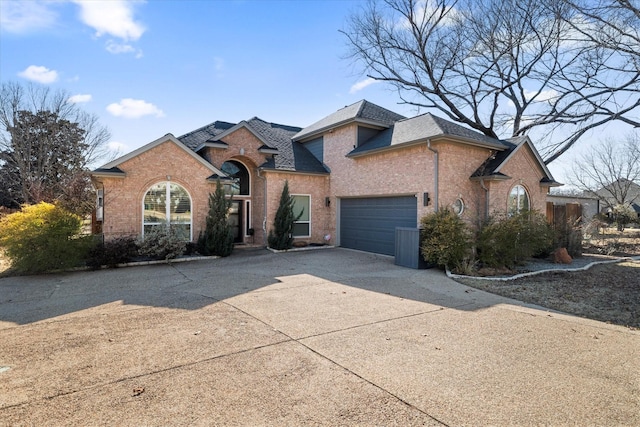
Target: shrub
(623, 215)
(281, 235)
(217, 238)
(113, 252)
(43, 237)
(508, 241)
(445, 239)
(162, 242)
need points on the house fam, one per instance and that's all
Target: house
(622, 191)
(355, 175)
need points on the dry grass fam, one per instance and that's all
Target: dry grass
(609, 292)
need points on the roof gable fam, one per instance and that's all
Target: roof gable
(493, 166)
(361, 112)
(167, 138)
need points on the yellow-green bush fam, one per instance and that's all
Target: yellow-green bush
(43, 237)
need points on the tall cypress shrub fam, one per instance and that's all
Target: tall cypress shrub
(217, 238)
(281, 235)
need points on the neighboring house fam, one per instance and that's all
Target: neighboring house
(620, 191)
(356, 175)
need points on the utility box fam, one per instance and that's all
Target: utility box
(407, 251)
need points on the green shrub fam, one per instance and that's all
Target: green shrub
(113, 252)
(508, 241)
(162, 242)
(217, 238)
(445, 239)
(623, 215)
(43, 237)
(281, 235)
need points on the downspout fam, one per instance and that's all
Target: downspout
(436, 174)
(264, 214)
(486, 198)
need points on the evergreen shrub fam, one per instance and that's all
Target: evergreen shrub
(162, 242)
(113, 252)
(217, 238)
(445, 239)
(281, 235)
(507, 241)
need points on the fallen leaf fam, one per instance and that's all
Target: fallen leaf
(138, 391)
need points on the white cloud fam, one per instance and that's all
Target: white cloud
(80, 98)
(112, 17)
(362, 84)
(116, 48)
(19, 16)
(39, 74)
(134, 108)
(117, 147)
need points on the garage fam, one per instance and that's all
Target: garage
(369, 224)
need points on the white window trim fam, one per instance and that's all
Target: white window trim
(304, 222)
(167, 206)
(518, 207)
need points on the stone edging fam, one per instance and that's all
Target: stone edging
(548, 270)
(306, 248)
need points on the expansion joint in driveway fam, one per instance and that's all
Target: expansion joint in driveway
(334, 362)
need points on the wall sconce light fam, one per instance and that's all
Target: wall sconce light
(168, 177)
(327, 201)
(425, 199)
(242, 151)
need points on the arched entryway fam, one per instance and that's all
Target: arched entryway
(240, 187)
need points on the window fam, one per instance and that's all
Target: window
(518, 200)
(176, 213)
(240, 178)
(458, 206)
(302, 227)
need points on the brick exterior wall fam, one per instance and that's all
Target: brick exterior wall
(123, 196)
(411, 171)
(317, 186)
(524, 170)
(243, 147)
(404, 171)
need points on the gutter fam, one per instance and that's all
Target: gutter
(486, 198)
(264, 214)
(436, 174)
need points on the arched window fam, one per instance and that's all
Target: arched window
(240, 176)
(518, 200)
(167, 204)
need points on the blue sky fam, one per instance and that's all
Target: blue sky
(160, 66)
(149, 68)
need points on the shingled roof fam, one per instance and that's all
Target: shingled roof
(362, 112)
(421, 128)
(201, 135)
(277, 137)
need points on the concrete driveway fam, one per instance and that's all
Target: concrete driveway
(326, 337)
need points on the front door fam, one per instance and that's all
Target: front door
(235, 220)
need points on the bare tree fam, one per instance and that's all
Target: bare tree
(610, 171)
(507, 67)
(46, 146)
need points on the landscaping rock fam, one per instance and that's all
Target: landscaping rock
(561, 256)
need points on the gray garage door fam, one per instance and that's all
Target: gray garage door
(370, 224)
